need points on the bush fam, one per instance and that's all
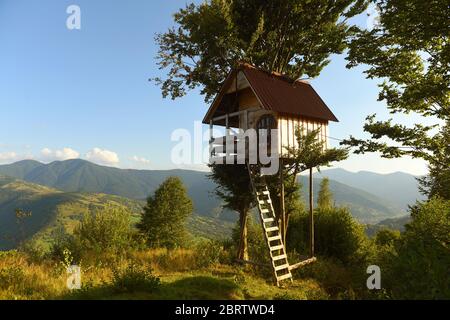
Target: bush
(134, 278)
(418, 267)
(337, 235)
(63, 244)
(207, 253)
(108, 229)
(11, 277)
(385, 237)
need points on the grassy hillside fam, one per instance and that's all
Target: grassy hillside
(83, 176)
(181, 277)
(53, 210)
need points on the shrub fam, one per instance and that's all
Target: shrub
(108, 229)
(66, 243)
(337, 235)
(11, 277)
(134, 278)
(207, 253)
(418, 267)
(386, 237)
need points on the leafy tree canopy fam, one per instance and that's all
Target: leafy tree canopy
(293, 37)
(164, 217)
(409, 49)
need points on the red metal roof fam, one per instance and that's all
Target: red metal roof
(281, 94)
(277, 93)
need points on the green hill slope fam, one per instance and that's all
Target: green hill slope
(53, 210)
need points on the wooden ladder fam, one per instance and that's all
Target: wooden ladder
(274, 240)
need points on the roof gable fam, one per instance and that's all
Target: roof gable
(277, 93)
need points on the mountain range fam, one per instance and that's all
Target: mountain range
(57, 193)
(381, 197)
(399, 188)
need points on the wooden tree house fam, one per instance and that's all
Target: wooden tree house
(251, 98)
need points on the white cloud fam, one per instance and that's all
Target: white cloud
(139, 163)
(104, 157)
(140, 160)
(60, 155)
(8, 156)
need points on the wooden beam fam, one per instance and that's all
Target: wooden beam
(211, 138)
(234, 114)
(282, 204)
(311, 214)
(302, 263)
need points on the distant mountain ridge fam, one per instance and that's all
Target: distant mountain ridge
(83, 176)
(399, 188)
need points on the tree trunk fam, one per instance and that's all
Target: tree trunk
(311, 214)
(243, 243)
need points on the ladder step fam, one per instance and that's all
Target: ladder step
(268, 219)
(265, 192)
(272, 229)
(274, 238)
(284, 276)
(265, 201)
(265, 210)
(279, 247)
(282, 267)
(283, 256)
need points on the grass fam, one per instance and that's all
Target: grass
(179, 278)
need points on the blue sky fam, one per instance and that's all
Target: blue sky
(85, 93)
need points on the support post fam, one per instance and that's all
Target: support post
(211, 138)
(311, 214)
(282, 204)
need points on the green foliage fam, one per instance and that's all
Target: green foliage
(257, 246)
(386, 237)
(163, 221)
(292, 192)
(208, 253)
(108, 229)
(310, 151)
(11, 277)
(233, 186)
(134, 278)
(418, 268)
(293, 37)
(325, 198)
(415, 77)
(337, 235)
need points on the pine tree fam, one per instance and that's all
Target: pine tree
(325, 197)
(164, 218)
